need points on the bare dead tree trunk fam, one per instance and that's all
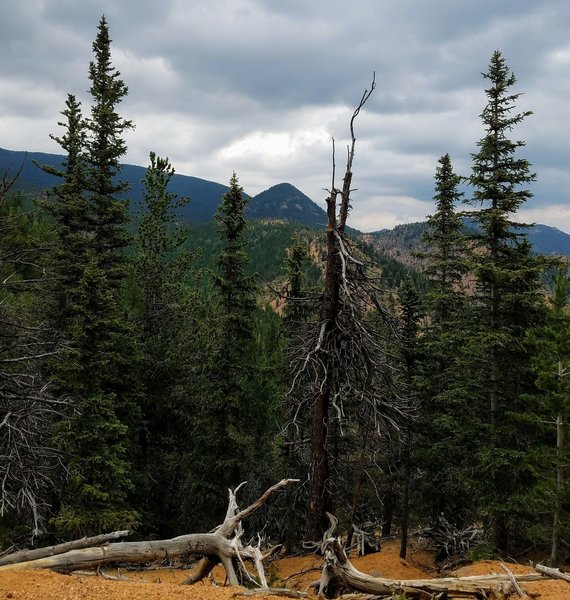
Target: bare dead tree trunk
(557, 525)
(319, 500)
(339, 361)
(28, 555)
(319, 468)
(319, 497)
(406, 493)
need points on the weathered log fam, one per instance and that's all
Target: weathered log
(338, 573)
(555, 573)
(222, 545)
(285, 592)
(133, 552)
(86, 542)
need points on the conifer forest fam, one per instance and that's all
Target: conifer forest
(143, 374)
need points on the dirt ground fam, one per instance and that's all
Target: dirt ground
(295, 573)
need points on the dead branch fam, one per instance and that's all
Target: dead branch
(449, 540)
(223, 545)
(27, 409)
(519, 591)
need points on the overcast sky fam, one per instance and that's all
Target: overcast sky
(261, 86)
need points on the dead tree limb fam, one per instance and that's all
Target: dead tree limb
(339, 574)
(519, 591)
(222, 545)
(86, 542)
(555, 573)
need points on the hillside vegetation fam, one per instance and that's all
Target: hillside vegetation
(158, 352)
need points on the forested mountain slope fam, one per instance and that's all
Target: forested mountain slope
(280, 202)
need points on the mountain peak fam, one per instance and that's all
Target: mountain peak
(284, 201)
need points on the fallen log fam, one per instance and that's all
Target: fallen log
(285, 592)
(339, 574)
(555, 573)
(223, 545)
(86, 542)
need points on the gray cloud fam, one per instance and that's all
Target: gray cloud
(260, 87)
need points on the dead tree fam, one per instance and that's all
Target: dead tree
(339, 574)
(223, 545)
(339, 361)
(27, 410)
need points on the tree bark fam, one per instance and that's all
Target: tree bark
(406, 495)
(319, 501)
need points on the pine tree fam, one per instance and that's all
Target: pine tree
(411, 312)
(447, 252)
(226, 445)
(446, 427)
(69, 207)
(105, 146)
(160, 262)
(296, 316)
(166, 319)
(549, 410)
(89, 266)
(508, 301)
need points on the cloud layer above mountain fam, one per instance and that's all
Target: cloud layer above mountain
(261, 86)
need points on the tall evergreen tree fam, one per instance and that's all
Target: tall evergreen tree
(447, 249)
(166, 320)
(160, 262)
(89, 269)
(411, 312)
(68, 206)
(225, 447)
(105, 146)
(508, 301)
(445, 429)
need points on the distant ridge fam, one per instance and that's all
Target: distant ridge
(282, 202)
(205, 195)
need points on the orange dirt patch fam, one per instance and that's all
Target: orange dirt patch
(488, 567)
(293, 572)
(45, 585)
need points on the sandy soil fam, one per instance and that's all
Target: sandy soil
(295, 572)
